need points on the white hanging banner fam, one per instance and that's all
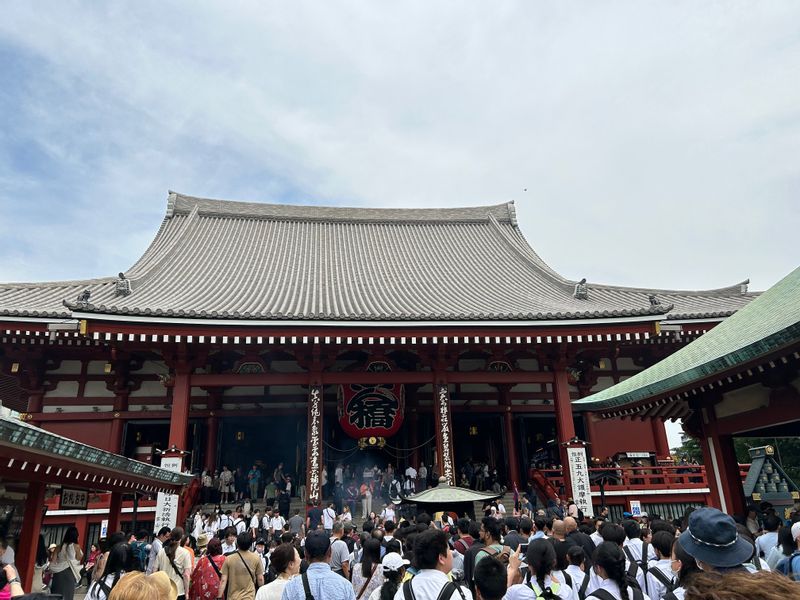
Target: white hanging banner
(636, 508)
(167, 504)
(579, 475)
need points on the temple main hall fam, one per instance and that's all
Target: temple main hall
(299, 334)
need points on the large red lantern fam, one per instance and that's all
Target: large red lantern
(371, 410)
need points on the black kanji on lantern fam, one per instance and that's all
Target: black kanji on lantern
(372, 406)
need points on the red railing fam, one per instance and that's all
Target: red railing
(640, 478)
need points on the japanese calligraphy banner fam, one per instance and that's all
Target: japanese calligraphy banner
(167, 504)
(444, 434)
(579, 476)
(371, 410)
(314, 462)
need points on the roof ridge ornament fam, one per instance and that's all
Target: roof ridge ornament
(654, 301)
(82, 301)
(171, 200)
(122, 286)
(581, 290)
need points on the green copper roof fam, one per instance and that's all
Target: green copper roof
(17, 434)
(444, 493)
(768, 323)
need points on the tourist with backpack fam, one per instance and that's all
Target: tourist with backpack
(537, 581)
(616, 583)
(140, 550)
(790, 566)
(434, 560)
(118, 564)
(615, 534)
(660, 579)
(490, 536)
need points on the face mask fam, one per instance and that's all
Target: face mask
(673, 569)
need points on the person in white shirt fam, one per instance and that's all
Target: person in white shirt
(609, 565)
(596, 537)
(577, 569)
(229, 543)
(276, 524)
(616, 535)
(768, 540)
(422, 473)
(328, 518)
(255, 523)
(540, 559)
(411, 472)
(634, 544)
(434, 559)
(660, 579)
(387, 514)
(239, 522)
(408, 486)
(338, 475)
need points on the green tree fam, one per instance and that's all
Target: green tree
(690, 448)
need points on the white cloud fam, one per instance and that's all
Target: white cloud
(657, 142)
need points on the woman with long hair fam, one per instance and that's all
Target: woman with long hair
(65, 563)
(684, 568)
(394, 570)
(119, 562)
(367, 576)
(540, 582)
(204, 583)
(609, 564)
(785, 547)
(174, 560)
(285, 561)
(91, 561)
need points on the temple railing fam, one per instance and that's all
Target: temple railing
(679, 477)
(639, 478)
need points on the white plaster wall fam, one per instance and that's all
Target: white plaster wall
(64, 389)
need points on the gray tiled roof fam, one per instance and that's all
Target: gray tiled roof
(240, 260)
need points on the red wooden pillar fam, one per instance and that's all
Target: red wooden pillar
(565, 427)
(660, 438)
(35, 406)
(118, 423)
(591, 431)
(29, 535)
(722, 468)
(413, 425)
(114, 512)
(511, 438)
(179, 419)
(443, 425)
(212, 429)
(314, 460)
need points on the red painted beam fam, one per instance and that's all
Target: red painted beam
(377, 331)
(331, 378)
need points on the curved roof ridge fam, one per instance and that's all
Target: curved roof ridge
(735, 289)
(55, 284)
(207, 207)
(528, 255)
(147, 265)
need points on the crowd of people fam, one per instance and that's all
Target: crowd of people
(345, 483)
(511, 554)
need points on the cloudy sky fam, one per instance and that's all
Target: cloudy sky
(645, 143)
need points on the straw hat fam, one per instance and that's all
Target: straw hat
(167, 590)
